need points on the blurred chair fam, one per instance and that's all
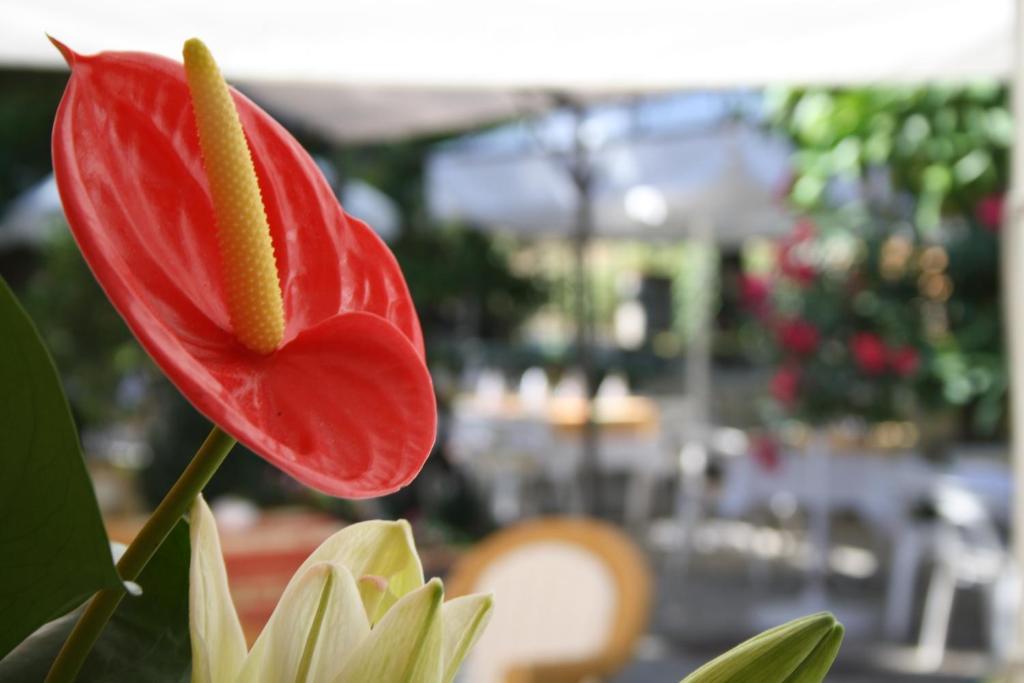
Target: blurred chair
(572, 596)
(966, 551)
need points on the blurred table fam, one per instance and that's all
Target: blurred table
(625, 414)
(505, 443)
(880, 485)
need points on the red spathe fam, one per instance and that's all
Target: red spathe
(346, 404)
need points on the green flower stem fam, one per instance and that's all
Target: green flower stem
(171, 509)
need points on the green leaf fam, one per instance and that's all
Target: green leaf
(147, 640)
(54, 548)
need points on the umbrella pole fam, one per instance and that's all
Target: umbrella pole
(693, 456)
(698, 352)
(582, 176)
(1013, 303)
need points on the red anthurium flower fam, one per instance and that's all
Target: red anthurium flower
(904, 360)
(869, 353)
(339, 397)
(798, 336)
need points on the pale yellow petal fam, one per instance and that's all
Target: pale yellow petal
(377, 548)
(218, 645)
(344, 627)
(373, 590)
(319, 608)
(405, 647)
(463, 620)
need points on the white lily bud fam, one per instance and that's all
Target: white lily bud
(800, 651)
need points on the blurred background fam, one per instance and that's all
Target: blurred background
(723, 280)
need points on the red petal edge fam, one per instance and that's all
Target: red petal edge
(128, 169)
(347, 407)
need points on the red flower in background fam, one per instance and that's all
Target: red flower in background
(869, 352)
(754, 293)
(803, 231)
(798, 336)
(345, 403)
(792, 263)
(904, 360)
(765, 451)
(785, 385)
(989, 211)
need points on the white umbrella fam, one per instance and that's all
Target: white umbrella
(645, 185)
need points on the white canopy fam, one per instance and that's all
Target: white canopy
(362, 69)
(658, 167)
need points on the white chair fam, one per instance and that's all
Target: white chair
(966, 551)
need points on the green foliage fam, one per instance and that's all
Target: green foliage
(26, 117)
(54, 548)
(460, 278)
(947, 147)
(930, 163)
(88, 339)
(147, 639)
